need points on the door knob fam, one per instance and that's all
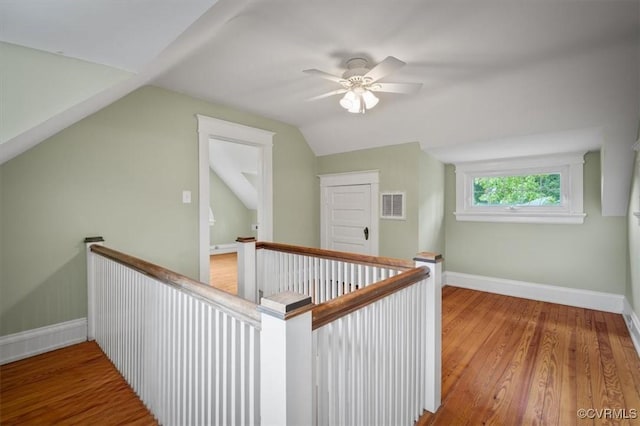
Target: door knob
(366, 233)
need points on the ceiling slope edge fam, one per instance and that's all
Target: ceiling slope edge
(575, 140)
(191, 39)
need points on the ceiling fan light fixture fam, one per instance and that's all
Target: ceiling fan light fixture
(348, 100)
(359, 82)
(358, 100)
(357, 105)
(370, 100)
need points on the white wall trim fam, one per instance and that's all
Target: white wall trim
(601, 301)
(223, 248)
(517, 163)
(209, 127)
(14, 347)
(236, 132)
(633, 324)
(509, 217)
(350, 178)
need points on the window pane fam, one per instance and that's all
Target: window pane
(527, 190)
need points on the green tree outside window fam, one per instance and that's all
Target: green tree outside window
(527, 190)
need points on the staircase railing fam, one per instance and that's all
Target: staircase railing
(321, 274)
(367, 352)
(375, 351)
(189, 351)
(374, 324)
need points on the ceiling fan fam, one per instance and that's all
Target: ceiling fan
(359, 82)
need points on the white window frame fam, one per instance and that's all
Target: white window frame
(570, 210)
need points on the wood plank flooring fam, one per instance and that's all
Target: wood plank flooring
(506, 361)
(509, 361)
(76, 385)
(224, 272)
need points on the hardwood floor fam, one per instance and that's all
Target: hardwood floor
(76, 385)
(515, 361)
(224, 272)
(506, 361)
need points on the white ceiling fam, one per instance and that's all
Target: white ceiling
(493, 72)
(490, 69)
(124, 34)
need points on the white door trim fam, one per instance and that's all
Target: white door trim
(208, 128)
(367, 177)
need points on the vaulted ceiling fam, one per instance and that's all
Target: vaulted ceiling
(499, 78)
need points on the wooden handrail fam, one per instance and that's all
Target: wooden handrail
(229, 303)
(429, 257)
(399, 264)
(334, 309)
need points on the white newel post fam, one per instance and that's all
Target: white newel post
(247, 269)
(433, 362)
(286, 387)
(91, 302)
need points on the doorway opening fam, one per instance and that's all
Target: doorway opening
(233, 206)
(219, 138)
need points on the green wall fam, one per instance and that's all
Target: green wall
(37, 85)
(431, 235)
(120, 173)
(296, 192)
(233, 218)
(633, 283)
(402, 168)
(1, 233)
(591, 256)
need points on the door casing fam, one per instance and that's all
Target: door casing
(209, 127)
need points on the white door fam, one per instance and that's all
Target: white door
(348, 219)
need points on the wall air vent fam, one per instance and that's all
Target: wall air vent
(392, 205)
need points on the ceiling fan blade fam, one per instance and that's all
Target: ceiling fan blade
(384, 68)
(326, 95)
(324, 75)
(406, 88)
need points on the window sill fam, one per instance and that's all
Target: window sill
(513, 217)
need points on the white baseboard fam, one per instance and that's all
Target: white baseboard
(223, 248)
(633, 324)
(607, 302)
(28, 343)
